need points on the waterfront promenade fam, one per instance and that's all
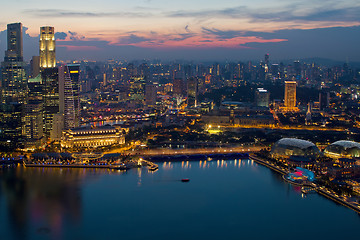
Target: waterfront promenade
(319, 189)
(192, 151)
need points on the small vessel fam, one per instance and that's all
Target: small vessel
(185, 180)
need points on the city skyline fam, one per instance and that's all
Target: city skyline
(200, 30)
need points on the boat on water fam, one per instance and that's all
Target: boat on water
(185, 180)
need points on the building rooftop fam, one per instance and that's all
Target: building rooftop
(303, 144)
(346, 144)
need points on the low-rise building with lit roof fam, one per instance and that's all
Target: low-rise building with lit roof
(92, 137)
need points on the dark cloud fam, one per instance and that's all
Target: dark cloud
(222, 34)
(333, 43)
(132, 39)
(289, 13)
(75, 36)
(181, 36)
(60, 35)
(65, 13)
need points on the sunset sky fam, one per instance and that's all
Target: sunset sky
(190, 29)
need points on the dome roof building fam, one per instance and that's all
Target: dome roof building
(287, 147)
(343, 149)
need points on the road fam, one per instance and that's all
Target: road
(188, 151)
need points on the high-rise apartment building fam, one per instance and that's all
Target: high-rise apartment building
(47, 47)
(290, 95)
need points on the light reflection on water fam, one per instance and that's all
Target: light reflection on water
(223, 200)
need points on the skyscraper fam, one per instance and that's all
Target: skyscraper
(13, 90)
(50, 81)
(150, 95)
(74, 70)
(324, 99)
(266, 63)
(262, 97)
(47, 47)
(33, 109)
(137, 88)
(33, 123)
(14, 87)
(49, 76)
(11, 126)
(192, 90)
(290, 95)
(14, 51)
(67, 106)
(34, 66)
(178, 86)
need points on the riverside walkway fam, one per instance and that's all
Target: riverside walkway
(193, 151)
(321, 190)
(268, 164)
(352, 205)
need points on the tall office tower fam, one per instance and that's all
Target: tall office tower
(49, 76)
(50, 82)
(262, 97)
(35, 87)
(324, 100)
(74, 70)
(11, 126)
(33, 123)
(290, 95)
(297, 69)
(266, 63)
(150, 95)
(67, 106)
(178, 86)
(47, 47)
(137, 88)
(275, 70)
(192, 90)
(14, 87)
(34, 66)
(104, 80)
(14, 51)
(33, 110)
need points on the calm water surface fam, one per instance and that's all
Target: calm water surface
(223, 200)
